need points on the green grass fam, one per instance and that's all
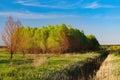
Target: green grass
(33, 68)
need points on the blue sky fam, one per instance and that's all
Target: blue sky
(98, 17)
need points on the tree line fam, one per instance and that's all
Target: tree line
(56, 39)
(46, 39)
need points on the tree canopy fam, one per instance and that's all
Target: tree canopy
(56, 39)
(46, 39)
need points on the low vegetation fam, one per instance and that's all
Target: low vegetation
(114, 48)
(110, 69)
(29, 68)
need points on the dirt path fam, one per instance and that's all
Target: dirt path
(109, 69)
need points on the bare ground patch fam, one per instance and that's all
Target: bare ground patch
(39, 61)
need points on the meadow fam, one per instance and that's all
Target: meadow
(40, 66)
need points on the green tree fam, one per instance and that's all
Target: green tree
(93, 43)
(57, 39)
(44, 37)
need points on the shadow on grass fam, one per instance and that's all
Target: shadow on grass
(4, 61)
(17, 61)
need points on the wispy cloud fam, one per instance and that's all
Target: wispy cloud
(95, 5)
(30, 3)
(61, 4)
(30, 15)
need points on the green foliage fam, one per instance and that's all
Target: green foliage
(93, 42)
(59, 38)
(114, 48)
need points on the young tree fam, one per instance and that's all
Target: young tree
(44, 37)
(64, 40)
(9, 37)
(93, 42)
(23, 42)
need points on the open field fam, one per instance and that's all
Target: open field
(110, 69)
(2, 49)
(37, 67)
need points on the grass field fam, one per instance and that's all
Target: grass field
(33, 67)
(110, 69)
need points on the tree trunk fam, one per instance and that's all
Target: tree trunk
(23, 54)
(43, 51)
(11, 56)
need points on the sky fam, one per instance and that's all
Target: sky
(98, 17)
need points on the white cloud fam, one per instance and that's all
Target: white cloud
(28, 3)
(95, 5)
(92, 5)
(30, 15)
(62, 4)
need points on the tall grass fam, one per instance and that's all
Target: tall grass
(110, 69)
(43, 67)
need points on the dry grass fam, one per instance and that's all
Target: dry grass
(110, 69)
(2, 49)
(67, 55)
(39, 61)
